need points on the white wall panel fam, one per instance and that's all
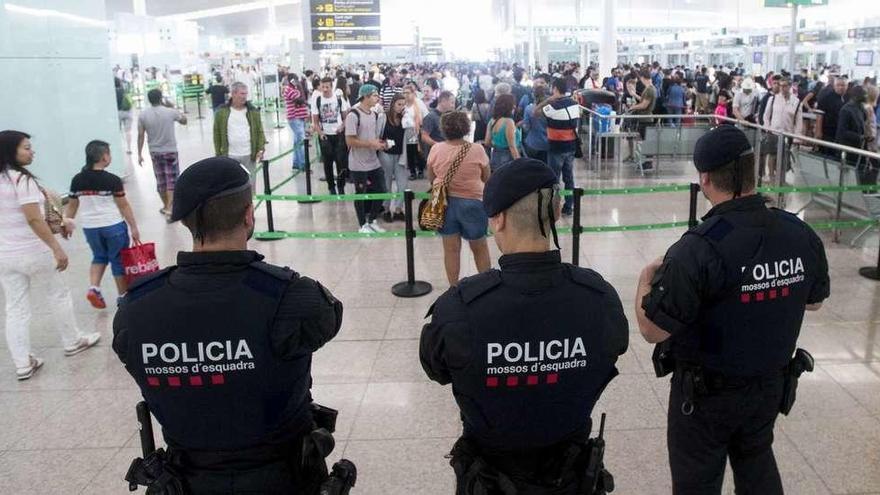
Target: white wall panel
(56, 83)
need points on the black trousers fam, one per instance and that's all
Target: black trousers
(334, 150)
(368, 182)
(279, 478)
(735, 423)
(414, 159)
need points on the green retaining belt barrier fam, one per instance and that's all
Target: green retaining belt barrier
(562, 230)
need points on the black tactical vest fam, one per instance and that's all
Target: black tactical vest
(751, 328)
(541, 352)
(204, 363)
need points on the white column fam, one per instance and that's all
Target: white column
(544, 52)
(585, 56)
(608, 38)
(531, 43)
(310, 57)
(139, 7)
(792, 40)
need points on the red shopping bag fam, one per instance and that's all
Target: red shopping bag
(138, 260)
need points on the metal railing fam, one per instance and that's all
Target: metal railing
(759, 131)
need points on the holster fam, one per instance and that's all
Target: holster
(317, 445)
(156, 474)
(800, 363)
(478, 474)
(664, 361)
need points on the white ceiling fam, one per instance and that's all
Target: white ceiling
(713, 14)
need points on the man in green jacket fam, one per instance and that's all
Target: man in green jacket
(238, 129)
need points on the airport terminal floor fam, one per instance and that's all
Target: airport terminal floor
(71, 429)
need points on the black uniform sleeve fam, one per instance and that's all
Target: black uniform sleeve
(678, 286)
(307, 318)
(445, 342)
(821, 288)
(120, 334)
(616, 325)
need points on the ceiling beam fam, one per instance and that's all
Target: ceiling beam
(231, 9)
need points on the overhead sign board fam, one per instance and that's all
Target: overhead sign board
(346, 24)
(758, 40)
(345, 21)
(866, 33)
(345, 7)
(789, 3)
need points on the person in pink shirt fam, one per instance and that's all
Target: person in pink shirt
(722, 108)
(297, 113)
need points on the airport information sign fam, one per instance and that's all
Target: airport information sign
(789, 3)
(345, 24)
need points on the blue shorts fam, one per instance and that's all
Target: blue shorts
(107, 244)
(465, 217)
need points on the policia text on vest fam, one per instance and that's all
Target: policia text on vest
(221, 347)
(725, 306)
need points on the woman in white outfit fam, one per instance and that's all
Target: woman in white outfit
(29, 252)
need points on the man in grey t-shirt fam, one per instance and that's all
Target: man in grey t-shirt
(156, 123)
(362, 138)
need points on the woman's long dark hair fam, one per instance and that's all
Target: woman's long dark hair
(392, 116)
(9, 143)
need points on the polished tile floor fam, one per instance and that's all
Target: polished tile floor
(72, 428)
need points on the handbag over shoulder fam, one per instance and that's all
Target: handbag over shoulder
(432, 212)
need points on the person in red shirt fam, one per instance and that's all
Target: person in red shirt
(297, 113)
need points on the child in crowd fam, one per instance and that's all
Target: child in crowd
(721, 109)
(100, 197)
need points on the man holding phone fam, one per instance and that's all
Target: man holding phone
(362, 138)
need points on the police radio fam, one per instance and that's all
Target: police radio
(599, 479)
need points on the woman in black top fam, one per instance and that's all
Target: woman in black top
(392, 158)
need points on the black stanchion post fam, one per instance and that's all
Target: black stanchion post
(411, 287)
(872, 272)
(576, 228)
(692, 215)
(199, 103)
(267, 190)
(308, 158)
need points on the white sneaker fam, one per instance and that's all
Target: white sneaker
(376, 228)
(366, 229)
(86, 341)
(25, 373)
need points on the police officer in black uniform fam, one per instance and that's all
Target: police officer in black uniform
(726, 303)
(221, 347)
(528, 349)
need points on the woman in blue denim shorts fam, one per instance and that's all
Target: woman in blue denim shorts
(106, 219)
(465, 217)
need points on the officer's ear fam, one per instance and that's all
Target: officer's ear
(705, 183)
(249, 220)
(498, 222)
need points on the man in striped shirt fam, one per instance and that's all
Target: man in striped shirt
(390, 87)
(297, 113)
(563, 115)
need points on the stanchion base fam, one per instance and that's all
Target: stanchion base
(309, 202)
(267, 240)
(870, 272)
(415, 289)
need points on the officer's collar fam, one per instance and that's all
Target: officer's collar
(519, 261)
(744, 203)
(190, 258)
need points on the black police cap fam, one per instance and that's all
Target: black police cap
(515, 181)
(720, 146)
(207, 179)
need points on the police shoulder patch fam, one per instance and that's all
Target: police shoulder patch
(588, 278)
(474, 287)
(150, 281)
(147, 283)
(715, 229)
(279, 272)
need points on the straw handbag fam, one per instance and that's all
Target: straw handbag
(432, 212)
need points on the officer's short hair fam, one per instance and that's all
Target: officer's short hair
(523, 215)
(724, 177)
(218, 216)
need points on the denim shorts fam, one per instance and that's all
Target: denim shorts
(107, 244)
(465, 217)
